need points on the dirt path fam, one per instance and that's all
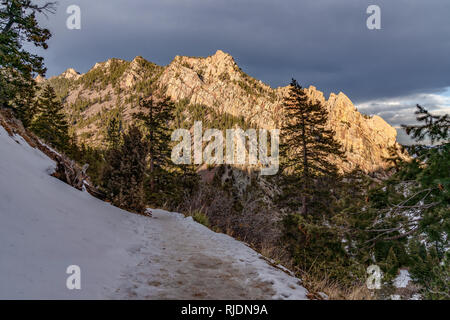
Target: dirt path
(181, 259)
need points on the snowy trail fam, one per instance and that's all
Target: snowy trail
(45, 226)
(185, 260)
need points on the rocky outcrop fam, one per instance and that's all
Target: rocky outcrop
(366, 140)
(218, 82)
(132, 74)
(70, 74)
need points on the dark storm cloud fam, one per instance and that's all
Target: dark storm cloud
(400, 110)
(321, 42)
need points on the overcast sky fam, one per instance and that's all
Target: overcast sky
(324, 43)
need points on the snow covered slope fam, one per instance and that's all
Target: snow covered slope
(46, 226)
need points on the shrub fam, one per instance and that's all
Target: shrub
(201, 218)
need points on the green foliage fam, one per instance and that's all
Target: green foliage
(318, 246)
(404, 221)
(100, 77)
(436, 128)
(25, 106)
(19, 26)
(155, 119)
(49, 122)
(124, 174)
(430, 270)
(312, 193)
(201, 218)
(186, 65)
(114, 132)
(224, 76)
(201, 74)
(180, 183)
(62, 87)
(80, 105)
(95, 158)
(308, 151)
(185, 114)
(251, 86)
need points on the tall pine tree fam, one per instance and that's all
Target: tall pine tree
(114, 132)
(310, 181)
(125, 170)
(307, 149)
(156, 118)
(50, 122)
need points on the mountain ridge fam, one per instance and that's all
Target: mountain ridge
(216, 81)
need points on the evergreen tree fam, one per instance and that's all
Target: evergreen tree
(50, 123)
(125, 170)
(434, 127)
(405, 220)
(307, 149)
(18, 25)
(114, 132)
(422, 186)
(310, 184)
(156, 119)
(182, 185)
(25, 105)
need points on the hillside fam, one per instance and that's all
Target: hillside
(216, 83)
(46, 226)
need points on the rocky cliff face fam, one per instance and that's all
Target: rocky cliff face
(216, 82)
(366, 140)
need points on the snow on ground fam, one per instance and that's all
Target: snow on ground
(46, 226)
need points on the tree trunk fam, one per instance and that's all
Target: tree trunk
(151, 153)
(305, 169)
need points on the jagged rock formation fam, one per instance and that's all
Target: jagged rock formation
(70, 74)
(366, 140)
(218, 82)
(114, 87)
